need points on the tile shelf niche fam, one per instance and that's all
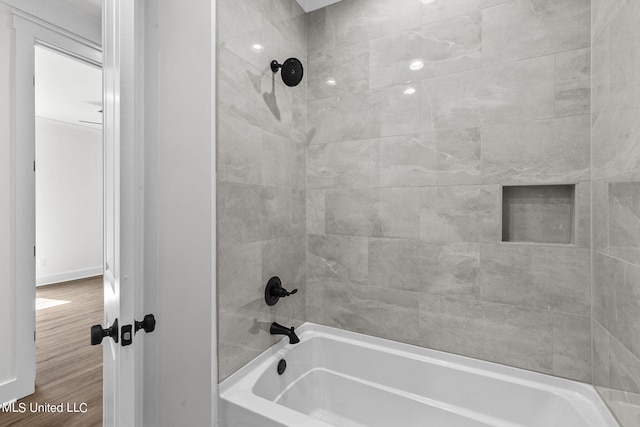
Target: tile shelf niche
(538, 214)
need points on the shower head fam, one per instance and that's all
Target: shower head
(291, 71)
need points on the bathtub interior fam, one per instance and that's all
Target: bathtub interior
(345, 379)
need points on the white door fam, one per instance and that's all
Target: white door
(123, 215)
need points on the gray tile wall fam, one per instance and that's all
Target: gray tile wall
(405, 168)
(261, 175)
(615, 115)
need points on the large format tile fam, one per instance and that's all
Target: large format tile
(624, 368)
(369, 114)
(616, 135)
(349, 22)
(250, 213)
(338, 165)
(346, 68)
(600, 353)
(460, 214)
(545, 277)
(412, 265)
(573, 82)
(315, 212)
(379, 312)
(239, 151)
(283, 162)
(516, 336)
(572, 347)
(337, 258)
(627, 314)
(624, 219)
(437, 10)
(377, 212)
(444, 47)
(407, 160)
(530, 28)
(555, 150)
(245, 92)
(608, 275)
(495, 95)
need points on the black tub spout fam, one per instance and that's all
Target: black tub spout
(277, 329)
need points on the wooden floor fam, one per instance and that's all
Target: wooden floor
(69, 369)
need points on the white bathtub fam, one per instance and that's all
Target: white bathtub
(339, 378)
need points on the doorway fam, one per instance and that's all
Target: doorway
(69, 242)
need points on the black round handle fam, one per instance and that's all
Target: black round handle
(148, 324)
(98, 333)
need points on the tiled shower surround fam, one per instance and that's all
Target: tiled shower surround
(375, 186)
(616, 205)
(405, 168)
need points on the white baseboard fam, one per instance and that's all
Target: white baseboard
(67, 276)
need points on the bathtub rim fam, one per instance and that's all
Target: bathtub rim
(238, 387)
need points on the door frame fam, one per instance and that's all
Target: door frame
(29, 32)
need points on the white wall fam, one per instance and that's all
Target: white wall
(7, 287)
(185, 216)
(68, 201)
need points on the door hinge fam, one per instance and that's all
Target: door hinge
(34, 335)
(34, 165)
(34, 251)
(34, 80)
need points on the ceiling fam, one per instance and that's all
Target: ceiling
(67, 90)
(92, 8)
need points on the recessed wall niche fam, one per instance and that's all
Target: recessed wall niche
(538, 213)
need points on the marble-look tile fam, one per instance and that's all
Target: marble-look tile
(347, 66)
(315, 212)
(383, 212)
(444, 47)
(516, 336)
(407, 160)
(353, 21)
(572, 347)
(350, 211)
(250, 94)
(600, 73)
(624, 219)
(602, 11)
(283, 162)
(608, 276)
(545, 277)
(338, 165)
(624, 368)
(459, 157)
(386, 313)
(337, 258)
(239, 151)
(582, 207)
(412, 265)
(252, 13)
(600, 354)
(239, 274)
(624, 405)
(460, 214)
(541, 151)
(530, 28)
(616, 135)
(396, 213)
(298, 212)
(627, 304)
(538, 214)
(600, 216)
(370, 114)
(440, 9)
(573, 82)
(508, 93)
(250, 213)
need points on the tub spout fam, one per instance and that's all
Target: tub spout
(277, 329)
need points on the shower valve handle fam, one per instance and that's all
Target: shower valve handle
(274, 291)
